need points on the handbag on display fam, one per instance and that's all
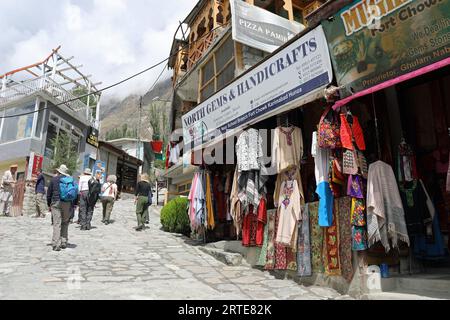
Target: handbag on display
(329, 130)
(362, 164)
(349, 162)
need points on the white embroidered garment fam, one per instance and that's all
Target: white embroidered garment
(249, 150)
(385, 214)
(287, 148)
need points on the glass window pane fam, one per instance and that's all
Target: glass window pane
(17, 128)
(54, 118)
(224, 54)
(225, 76)
(207, 91)
(40, 120)
(208, 71)
(51, 134)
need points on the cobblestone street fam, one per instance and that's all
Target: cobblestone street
(116, 262)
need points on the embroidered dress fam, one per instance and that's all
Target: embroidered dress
(262, 222)
(351, 133)
(288, 175)
(304, 245)
(345, 237)
(249, 228)
(287, 148)
(249, 150)
(262, 261)
(289, 212)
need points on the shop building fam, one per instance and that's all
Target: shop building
(382, 118)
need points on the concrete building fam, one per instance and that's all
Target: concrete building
(39, 102)
(140, 149)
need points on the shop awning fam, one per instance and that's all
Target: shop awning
(392, 82)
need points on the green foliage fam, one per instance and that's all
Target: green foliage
(65, 152)
(174, 217)
(160, 164)
(121, 132)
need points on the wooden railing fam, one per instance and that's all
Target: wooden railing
(199, 47)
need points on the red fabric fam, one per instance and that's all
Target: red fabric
(280, 250)
(219, 198)
(167, 156)
(348, 133)
(249, 227)
(157, 146)
(262, 221)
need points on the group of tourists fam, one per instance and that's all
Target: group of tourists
(64, 195)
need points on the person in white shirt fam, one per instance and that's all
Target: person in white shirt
(109, 195)
(7, 185)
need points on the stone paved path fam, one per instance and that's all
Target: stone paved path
(116, 262)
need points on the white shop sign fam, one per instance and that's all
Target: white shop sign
(259, 28)
(284, 78)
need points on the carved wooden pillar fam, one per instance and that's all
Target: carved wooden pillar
(215, 13)
(289, 8)
(252, 2)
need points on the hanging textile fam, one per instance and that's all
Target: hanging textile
(270, 257)
(200, 200)
(345, 237)
(355, 187)
(359, 238)
(406, 163)
(262, 222)
(280, 250)
(325, 204)
(251, 186)
(192, 201)
(385, 214)
(210, 223)
(351, 133)
(262, 260)
(288, 175)
(304, 245)
(287, 148)
(332, 257)
(157, 146)
(235, 204)
(358, 215)
(249, 150)
(291, 259)
(317, 238)
(447, 185)
(249, 228)
(174, 154)
(289, 212)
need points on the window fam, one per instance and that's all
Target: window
(218, 71)
(57, 126)
(17, 128)
(40, 120)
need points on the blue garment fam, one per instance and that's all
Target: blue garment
(325, 204)
(430, 249)
(40, 184)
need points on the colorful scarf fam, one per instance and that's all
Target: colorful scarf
(304, 246)
(270, 258)
(345, 237)
(264, 249)
(317, 239)
(331, 256)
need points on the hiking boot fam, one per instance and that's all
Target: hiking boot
(64, 246)
(138, 229)
(56, 248)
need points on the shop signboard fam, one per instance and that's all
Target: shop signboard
(374, 41)
(34, 165)
(285, 77)
(92, 137)
(259, 28)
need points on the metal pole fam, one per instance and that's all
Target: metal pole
(139, 131)
(376, 127)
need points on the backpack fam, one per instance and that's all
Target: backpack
(95, 189)
(68, 189)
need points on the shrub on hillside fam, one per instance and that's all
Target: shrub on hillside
(174, 217)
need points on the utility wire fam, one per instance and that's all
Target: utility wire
(115, 84)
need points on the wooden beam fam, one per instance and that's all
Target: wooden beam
(290, 10)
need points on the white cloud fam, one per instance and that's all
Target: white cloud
(113, 39)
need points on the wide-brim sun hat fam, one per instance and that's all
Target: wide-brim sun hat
(63, 170)
(87, 171)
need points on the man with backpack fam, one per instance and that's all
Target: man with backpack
(61, 194)
(95, 189)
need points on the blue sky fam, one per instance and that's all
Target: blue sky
(111, 38)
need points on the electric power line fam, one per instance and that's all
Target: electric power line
(115, 84)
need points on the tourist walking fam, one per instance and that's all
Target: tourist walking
(61, 194)
(7, 188)
(143, 201)
(39, 196)
(108, 197)
(84, 208)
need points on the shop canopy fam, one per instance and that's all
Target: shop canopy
(392, 82)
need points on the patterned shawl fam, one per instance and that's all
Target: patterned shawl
(385, 214)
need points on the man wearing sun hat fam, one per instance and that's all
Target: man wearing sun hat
(60, 210)
(7, 186)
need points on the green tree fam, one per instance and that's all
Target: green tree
(65, 152)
